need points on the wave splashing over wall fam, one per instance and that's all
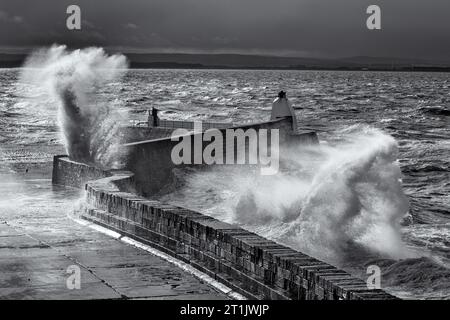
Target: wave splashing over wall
(354, 202)
(342, 201)
(73, 80)
(337, 202)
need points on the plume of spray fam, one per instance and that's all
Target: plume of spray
(336, 202)
(74, 81)
(355, 201)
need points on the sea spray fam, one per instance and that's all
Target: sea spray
(355, 202)
(335, 202)
(73, 80)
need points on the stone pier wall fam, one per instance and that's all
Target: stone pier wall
(74, 174)
(152, 164)
(246, 262)
(132, 134)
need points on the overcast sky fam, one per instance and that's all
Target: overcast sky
(313, 28)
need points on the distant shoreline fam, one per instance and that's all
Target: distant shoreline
(164, 65)
(258, 62)
(415, 69)
(178, 66)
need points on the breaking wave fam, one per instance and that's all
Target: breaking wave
(73, 81)
(342, 203)
(343, 198)
(328, 200)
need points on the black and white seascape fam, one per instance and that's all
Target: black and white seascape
(374, 192)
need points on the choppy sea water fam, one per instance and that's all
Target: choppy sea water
(354, 113)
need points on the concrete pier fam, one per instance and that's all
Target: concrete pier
(38, 243)
(251, 265)
(34, 264)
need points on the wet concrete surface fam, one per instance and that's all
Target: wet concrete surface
(39, 242)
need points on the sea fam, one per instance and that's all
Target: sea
(374, 192)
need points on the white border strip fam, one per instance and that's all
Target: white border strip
(182, 265)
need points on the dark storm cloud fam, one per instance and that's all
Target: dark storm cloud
(322, 28)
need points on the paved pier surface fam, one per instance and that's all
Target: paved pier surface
(38, 242)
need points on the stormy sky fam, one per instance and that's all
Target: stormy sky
(309, 28)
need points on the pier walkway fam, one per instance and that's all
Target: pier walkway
(39, 243)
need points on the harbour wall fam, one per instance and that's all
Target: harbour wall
(244, 261)
(153, 166)
(74, 174)
(136, 133)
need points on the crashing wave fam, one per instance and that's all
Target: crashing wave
(72, 80)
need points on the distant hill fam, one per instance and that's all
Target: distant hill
(240, 61)
(393, 62)
(226, 60)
